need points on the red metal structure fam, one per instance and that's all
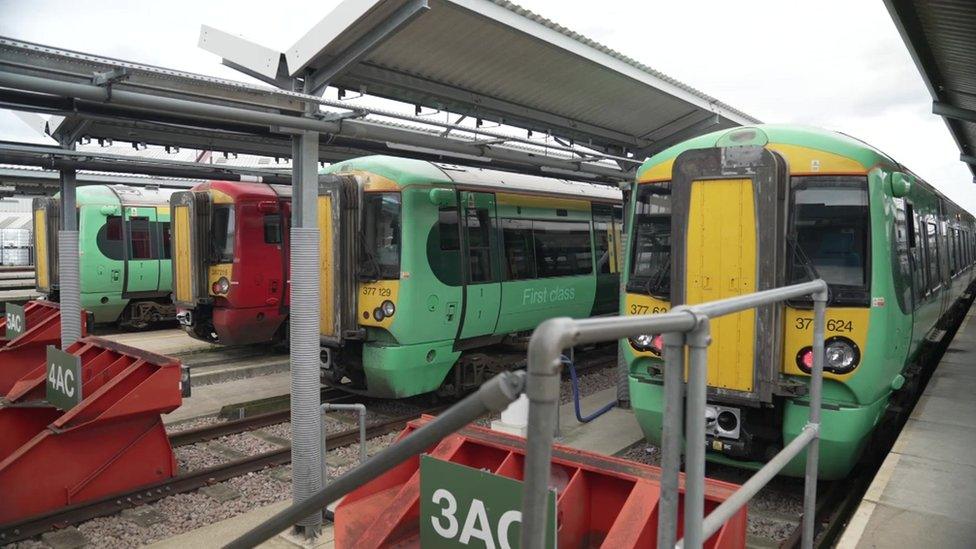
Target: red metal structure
(602, 501)
(25, 352)
(248, 250)
(113, 441)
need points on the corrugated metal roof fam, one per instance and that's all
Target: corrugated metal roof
(941, 37)
(496, 60)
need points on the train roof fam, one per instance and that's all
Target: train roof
(808, 137)
(121, 194)
(406, 172)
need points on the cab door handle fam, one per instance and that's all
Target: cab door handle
(451, 311)
(115, 275)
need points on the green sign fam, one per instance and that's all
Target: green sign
(16, 321)
(465, 507)
(63, 378)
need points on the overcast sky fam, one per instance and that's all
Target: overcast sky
(835, 64)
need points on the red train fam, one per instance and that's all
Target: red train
(231, 285)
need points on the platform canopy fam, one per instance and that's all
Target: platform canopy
(941, 37)
(494, 60)
(567, 106)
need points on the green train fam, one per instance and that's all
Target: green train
(124, 253)
(752, 208)
(429, 271)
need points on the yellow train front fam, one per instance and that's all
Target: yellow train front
(748, 209)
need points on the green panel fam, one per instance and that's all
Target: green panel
(16, 321)
(459, 504)
(400, 371)
(63, 385)
(526, 303)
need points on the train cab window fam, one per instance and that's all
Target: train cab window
(223, 230)
(651, 248)
(829, 234)
(140, 243)
(519, 260)
(272, 228)
(381, 236)
(167, 241)
(562, 248)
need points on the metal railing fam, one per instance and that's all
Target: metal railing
(683, 326)
(541, 381)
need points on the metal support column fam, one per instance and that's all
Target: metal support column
(306, 419)
(623, 369)
(816, 395)
(671, 435)
(68, 261)
(698, 340)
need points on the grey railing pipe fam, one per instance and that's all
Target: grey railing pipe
(357, 407)
(729, 507)
(493, 396)
(543, 370)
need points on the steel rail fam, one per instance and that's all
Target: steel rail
(32, 526)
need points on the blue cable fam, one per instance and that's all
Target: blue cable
(576, 400)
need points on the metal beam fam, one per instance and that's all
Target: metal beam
(147, 106)
(954, 112)
(401, 86)
(693, 130)
(968, 159)
(316, 82)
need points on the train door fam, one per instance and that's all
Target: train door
(142, 257)
(728, 212)
(606, 243)
(482, 296)
(721, 263)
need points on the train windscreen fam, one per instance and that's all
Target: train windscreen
(829, 235)
(223, 232)
(650, 262)
(381, 237)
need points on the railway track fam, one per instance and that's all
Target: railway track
(194, 480)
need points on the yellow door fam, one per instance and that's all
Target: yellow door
(327, 313)
(721, 263)
(40, 250)
(182, 258)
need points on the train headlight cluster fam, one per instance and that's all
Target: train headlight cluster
(648, 342)
(221, 287)
(841, 356)
(385, 310)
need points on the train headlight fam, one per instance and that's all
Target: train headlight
(388, 308)
(648, 342)
(222, 286)
(378, 314)
(841, 355)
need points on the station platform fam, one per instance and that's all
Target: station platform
(169, 342)
(924, 494)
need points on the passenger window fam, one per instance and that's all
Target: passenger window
(140, 245)
(519, 249)
(272, 229)
(447, 226)
(167, 241)
(113, 228)
(478, 228)
(932, 245)
(562, 248)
